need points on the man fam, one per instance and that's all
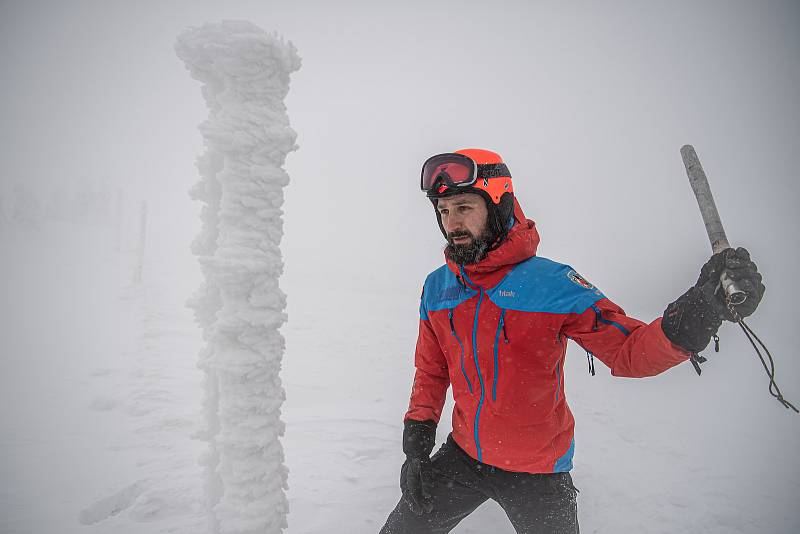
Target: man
(494, 324)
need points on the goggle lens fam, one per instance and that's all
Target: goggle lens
(448, 169)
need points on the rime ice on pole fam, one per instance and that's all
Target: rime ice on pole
(245, 75)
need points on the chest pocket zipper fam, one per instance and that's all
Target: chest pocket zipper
(501, 327)
(461, 346)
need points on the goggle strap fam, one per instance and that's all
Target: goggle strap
(492, 170)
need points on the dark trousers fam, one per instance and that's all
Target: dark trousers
(535, 503)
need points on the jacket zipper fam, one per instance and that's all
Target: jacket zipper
(461, 345)
(477, 365)
(480, 376)
(501, 326)
(598, 316)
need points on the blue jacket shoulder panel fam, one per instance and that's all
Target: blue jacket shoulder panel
(542, 285)
(442, 290)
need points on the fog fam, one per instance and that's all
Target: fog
(588, 103)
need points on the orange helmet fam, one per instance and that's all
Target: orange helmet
(472, 170)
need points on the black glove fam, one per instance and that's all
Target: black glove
(743, 271)
(416, 475)
(694, 318)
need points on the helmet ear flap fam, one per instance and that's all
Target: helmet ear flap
(495, 225)
(500, 218)
(505, 209)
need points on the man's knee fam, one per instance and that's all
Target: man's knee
(403, 521)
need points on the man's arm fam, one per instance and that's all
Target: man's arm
(431, 379)
(632, 348)
(629, 347)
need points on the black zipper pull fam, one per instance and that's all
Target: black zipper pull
(716, 343)
(505, 337)
(696, 360)
(590, 359)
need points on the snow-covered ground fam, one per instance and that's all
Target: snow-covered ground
(99, 389)
(100, 396)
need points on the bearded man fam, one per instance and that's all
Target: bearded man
(494, 325)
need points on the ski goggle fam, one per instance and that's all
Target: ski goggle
(457, 170)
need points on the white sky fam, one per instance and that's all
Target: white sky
(588, 104)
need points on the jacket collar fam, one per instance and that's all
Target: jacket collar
(520, 244)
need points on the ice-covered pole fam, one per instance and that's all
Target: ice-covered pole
(245, 75)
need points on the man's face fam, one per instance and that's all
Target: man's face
(464, 218)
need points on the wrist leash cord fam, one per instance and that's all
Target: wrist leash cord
(774, 390)
(751, 336)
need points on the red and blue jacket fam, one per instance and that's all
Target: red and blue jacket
(497, 332)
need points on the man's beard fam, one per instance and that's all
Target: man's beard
(467, 253)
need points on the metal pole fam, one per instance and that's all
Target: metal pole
(711, 218)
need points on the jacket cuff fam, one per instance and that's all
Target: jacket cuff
(419, 438)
